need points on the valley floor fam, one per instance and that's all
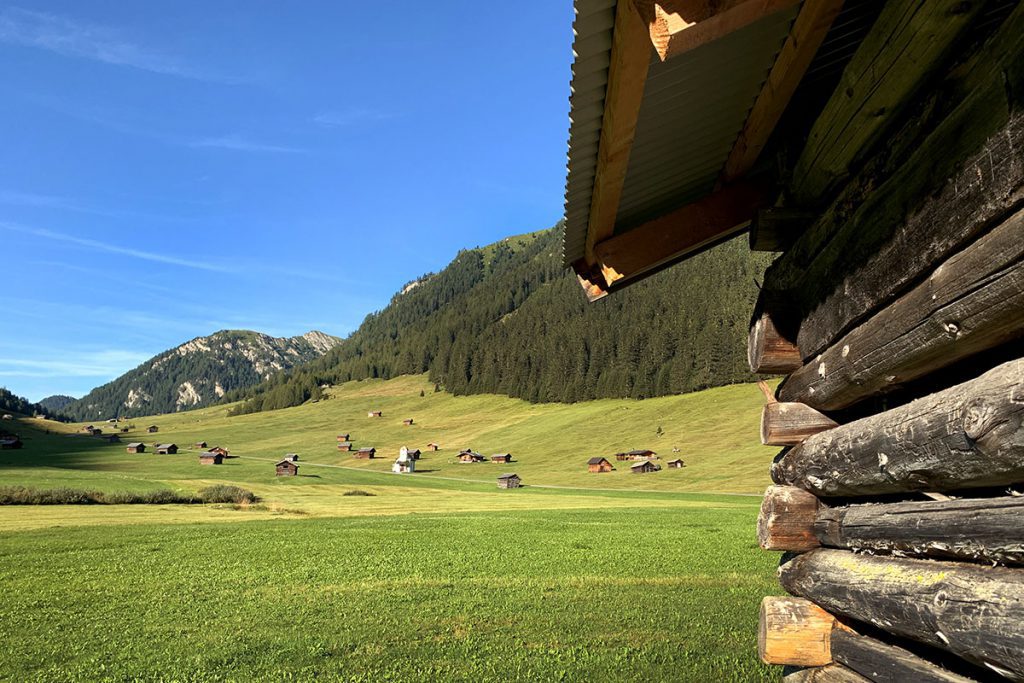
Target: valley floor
(435, 576)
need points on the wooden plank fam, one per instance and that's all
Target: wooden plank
(969, 610)
(788, 424)
(897, 57)
(627, 76)
(679, 26)
(684, 231)
(833, 673)
(968, 436)
(808, 32)
(771, 344)
(786, 520)
(880, 661)
(971, 303)
(981, 529)
(776, 229)
(956, 177)
(794, 631)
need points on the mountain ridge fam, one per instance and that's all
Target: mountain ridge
(199, 372)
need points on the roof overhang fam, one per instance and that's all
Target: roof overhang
(672, 102)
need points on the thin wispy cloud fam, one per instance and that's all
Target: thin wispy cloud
(107, 363)
(350, 117)
(109, 248)
(239, 144)
(71, 37)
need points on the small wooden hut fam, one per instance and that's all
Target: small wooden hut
(136, 447)
(221, 450)
(598, 464)
(644, 467)
(502, 457)
(365, 454)
(344, 437)
(375, 413)
(676, 464)
(199, 444)
(509, 481)
(166, 449)
(10, 443)
(469, 457)
(152, 429)
(345, 446)
(407, 422)
(286, 468)
(874, 148)
(209, 458)
(433, 446)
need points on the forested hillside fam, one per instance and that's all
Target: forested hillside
(199, 373)
(509, 319)
(12, 403)
(57, 403)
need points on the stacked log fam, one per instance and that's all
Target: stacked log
(904, 527)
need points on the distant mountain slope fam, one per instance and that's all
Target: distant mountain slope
(508, 319)
(57, 403)
(199, 373)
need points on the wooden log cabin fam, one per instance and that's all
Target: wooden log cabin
(286, 468)
(875, 146)
(509, 481)
(345, 446)
(209, 458)
(166, 449)
(598, 465)
(136, 447)
(366, 453)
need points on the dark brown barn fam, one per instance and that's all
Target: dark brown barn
(644, 467)
(209, 458)
(137, 447)
(221, 450)
(166, 449)
(286, 468)
(345, 446)
(199, 444)
(407, 421)
(414, 453)
(502, 457)
(676, 464)
(366, 453)
(152, 429)
(433, 447)
(509, 481)
(598, 465)
(344, 437)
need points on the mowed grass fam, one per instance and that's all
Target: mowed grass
(627, 594)
(435, 576)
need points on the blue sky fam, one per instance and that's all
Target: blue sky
(175, 168)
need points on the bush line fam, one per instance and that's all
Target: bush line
(24, 495)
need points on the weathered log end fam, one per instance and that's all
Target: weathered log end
(833, 673)
(788, 424)
(786, 521)
(794, 631)
(769, 350)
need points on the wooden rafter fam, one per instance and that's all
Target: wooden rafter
(627, 75)
(683, 231)
(678, 26)
(808, 32)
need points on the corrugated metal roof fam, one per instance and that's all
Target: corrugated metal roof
(693, 108)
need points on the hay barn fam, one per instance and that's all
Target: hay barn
(209, 458)
(597, 465)
(136, 447)
(874, 148)
(286, 468)
(509, 481)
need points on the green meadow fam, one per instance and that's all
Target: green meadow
(436, 575)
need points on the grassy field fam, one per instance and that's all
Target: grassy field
(436, 576)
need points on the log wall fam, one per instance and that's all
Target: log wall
(896, 315)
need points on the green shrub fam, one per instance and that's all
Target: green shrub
(223, 493)
(358, 492)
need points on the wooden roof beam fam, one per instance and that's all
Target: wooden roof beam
(627, 76)
(678, 26)
(664, 240)
(808, 32)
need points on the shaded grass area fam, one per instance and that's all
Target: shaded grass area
(574, 595)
